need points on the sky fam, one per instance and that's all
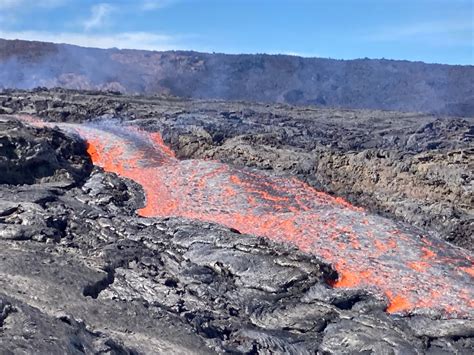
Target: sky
(433, 31)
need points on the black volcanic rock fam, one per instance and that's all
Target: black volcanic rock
(89, 276)
(32, 155)
(362, 83)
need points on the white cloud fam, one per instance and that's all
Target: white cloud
(99, 15)
(129, 40)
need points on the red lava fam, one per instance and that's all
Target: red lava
(416, 274)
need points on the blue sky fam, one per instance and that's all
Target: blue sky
(434, 31)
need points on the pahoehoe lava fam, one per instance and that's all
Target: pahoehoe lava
(416, 273)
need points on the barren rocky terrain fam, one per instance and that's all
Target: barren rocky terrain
(362, 83)
(80, 272)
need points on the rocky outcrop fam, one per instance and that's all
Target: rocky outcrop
(89, 276)
(32, 155)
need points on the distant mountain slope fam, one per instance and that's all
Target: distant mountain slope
(362, 83)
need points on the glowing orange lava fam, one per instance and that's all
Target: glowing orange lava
(415, 274)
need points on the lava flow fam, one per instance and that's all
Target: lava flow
(416, 274)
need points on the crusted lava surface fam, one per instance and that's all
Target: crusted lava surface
(80, 271)
(412, 167)
(416, 273)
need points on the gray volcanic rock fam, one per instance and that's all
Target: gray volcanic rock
(89, 276)
(361, 83)
(32, 155)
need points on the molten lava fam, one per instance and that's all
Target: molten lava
(415, 273)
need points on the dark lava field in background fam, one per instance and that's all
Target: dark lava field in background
(80, 272)
(361, 83)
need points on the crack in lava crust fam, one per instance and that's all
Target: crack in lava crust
(416, 274)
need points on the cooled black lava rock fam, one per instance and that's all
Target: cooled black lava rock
(32, 155)
(81, 273)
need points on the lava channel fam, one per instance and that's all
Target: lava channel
(417, 274)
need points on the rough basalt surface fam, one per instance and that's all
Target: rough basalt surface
(28, 155)
(413, 167)
(81, 273)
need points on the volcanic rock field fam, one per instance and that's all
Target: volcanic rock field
(134, 224)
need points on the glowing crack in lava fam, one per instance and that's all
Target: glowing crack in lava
(416, 274)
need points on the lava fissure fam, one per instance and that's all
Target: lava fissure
(368, 251)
